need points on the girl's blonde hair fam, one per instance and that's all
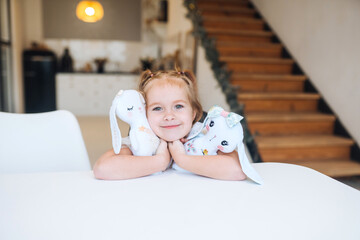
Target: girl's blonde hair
(187, 80)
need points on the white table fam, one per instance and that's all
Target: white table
(294, 203)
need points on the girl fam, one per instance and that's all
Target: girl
(172, 107)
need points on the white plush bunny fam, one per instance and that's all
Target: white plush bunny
(129, 106)
(222, 131)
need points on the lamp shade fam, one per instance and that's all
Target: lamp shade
(89, 11)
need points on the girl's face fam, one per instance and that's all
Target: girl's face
(169, 111)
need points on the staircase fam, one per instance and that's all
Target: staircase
(286, 120)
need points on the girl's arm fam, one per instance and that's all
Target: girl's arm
(111, 166)
(224, 166)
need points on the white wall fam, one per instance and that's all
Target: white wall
(324, 38)
(32, 20)
(177, 21)
(209, 90)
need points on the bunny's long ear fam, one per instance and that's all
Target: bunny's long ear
(246, 166)
(115, 131)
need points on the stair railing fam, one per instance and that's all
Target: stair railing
(222, 75)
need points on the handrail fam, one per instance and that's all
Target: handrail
(222, 75)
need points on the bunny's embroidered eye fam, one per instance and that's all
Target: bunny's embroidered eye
(130, 109)
(211, 124)
(224, 143)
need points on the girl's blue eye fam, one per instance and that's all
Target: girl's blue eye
(156, 108)
(179, 106)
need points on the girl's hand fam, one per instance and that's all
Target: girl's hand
(163, 152)
(176, 149)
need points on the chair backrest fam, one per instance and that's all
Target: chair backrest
(41, 142)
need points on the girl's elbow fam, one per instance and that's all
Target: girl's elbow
(237, 175)
(99, 172)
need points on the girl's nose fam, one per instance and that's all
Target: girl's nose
(169, 116)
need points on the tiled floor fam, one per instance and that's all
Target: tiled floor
(97, 137)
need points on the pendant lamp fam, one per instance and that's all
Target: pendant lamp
(89, 11)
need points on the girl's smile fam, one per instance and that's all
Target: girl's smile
(171, 126)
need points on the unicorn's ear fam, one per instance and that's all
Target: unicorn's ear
(115, 131)
(246, 166)
(197, 129)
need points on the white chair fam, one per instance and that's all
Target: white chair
(41, 142)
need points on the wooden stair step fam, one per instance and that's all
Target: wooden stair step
(268, 82)
(243, 49)
(239, 35)
(233, 19)
(297, 148)
(279, 102)
(280, 96)
(233, 23)
(276, 124)
(240, 32)
(285, 61)
(285, 117)
(233, 44)
(232, 11)
(259, 65)
(217, 3)
(266, 77)
(302, 141)
(334, 168)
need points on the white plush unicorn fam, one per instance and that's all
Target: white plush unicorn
(221, 131)
(129, 106)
